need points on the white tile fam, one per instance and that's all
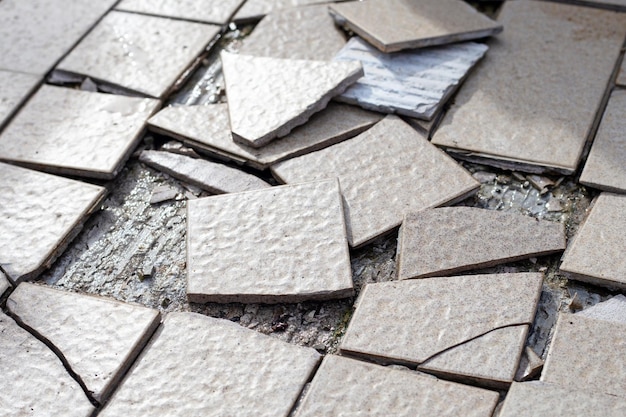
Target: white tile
(15, 87)
(209, 11)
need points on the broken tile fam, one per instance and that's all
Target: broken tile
(270, 251)
(37, 33)
(14, 89)
(471, 328)
(163, 193)
(256, 9)
(382, 179)
(395, 25)
(198, 365)
(415, 83)
(587, 354)
(39, 216)
(344, 386)
(613, 309)
(268, 97)
(517, 108)
(97, 337)
(596, 254)
(209, 176)
(621, 75)
(143, 54)
(453, 239)
(209, 11)
(606, 164)
(207, 128)
(34, 382)
(4, 284)
(530, 365)
(317, 36)
(62, 130)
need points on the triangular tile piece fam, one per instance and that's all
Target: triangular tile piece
(268, 97)
(453, 239)
(98, 338)
(209, 11)
(613, 309)
(14, 88)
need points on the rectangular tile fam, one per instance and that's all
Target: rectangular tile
(15, 87)
(209, 11)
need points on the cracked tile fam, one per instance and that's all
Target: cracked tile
(530, 365)
(256, 9)
(15, 87)
(268, 97)
(613, 309)
(4, 284)
(121, 51)
(198, 365)
(210, 11)
(39, 216)
(381, 180)
(67, 131)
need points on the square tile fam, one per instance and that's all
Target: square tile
(15, 87)
(209, 11)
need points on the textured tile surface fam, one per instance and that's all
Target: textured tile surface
(619, 5)
(596, 254)
(34, 382)
(606, 164)
(413, 321)
(210, 176)
(256, 9)
(76, 132)
(621, 76)
(37, 33)
(210, 11)
(386, 171)
(414, 83)
(517, 106)
(145, 54)
(268, 97)
(613, 309)
(344, 387)
(99, 338)
(587, 354)
(39, 214)
(14, 88)
(208, 128)
(198, 365)
(394, 25)
(453, 239)
(283, 244)
(4, 283)
(317, 36)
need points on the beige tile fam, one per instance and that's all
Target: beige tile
(15, 87)
(256, 9)
(209, 11)
(530, 365)
(613, 309)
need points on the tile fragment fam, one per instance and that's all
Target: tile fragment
(199, 365)
(530, 365)
(209, 11)
(256, 9)
(163, 193)
(15, 87)
(613, 309)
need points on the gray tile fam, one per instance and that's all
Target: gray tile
(606, 164)
(209, 11)
(256, 9)
(596, 254)
(34, 382)
(382, 179)
(621, 76)
(613, 309)
(121, 51)
(453, 239)
(210, 176)
(619, 5)
(99, 338)
(343, 387)
(268, 97)
(4, 283)
(15, 87)
(39, 215)
(414, 83)
(207, 128)
(395, 25)
(517, 108)
(266, 246)
(197, 365)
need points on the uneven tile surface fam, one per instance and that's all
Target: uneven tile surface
(283, 244)
(210, 11)
(613, 309)
(198, 365)
(384, 172)
(606, 164)
(14, 88)
(39, 214)
(344, 386)
(145, 54)
(268, 97)
(596, 254)
(517, 106)
(394, 25)
(453, 239)
(34, 382)
(76, 132)
(256, 9)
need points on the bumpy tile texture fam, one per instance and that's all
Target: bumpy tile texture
(344, 386)
(256, 9)
(283, 244)
(394, 25)
(596, 254)
(210, 11)
(517, 105)
(268, 97)
(198, 365)
(38, 213)
(14, 88)
(34, 382)
(76, 132)
(613, 309)
(453, 239)
(99, 338)
(141, 53)
(384, 172)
